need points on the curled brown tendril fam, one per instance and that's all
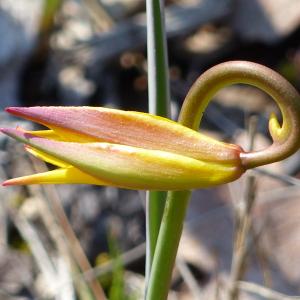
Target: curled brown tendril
(286, 137)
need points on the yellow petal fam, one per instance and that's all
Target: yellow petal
(46, 157)
(48, 134)
(66, 176)
(132, 167)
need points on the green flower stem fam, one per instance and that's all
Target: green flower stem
(167, 244)
(285, 141)
(50, 9)
(158, 87)
(158, 79)
(154, 213)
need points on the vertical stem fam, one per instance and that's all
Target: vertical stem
(47, 18)
(158, 81)
(158, 87)
(285, 142)
(167, 244)
(154, 212)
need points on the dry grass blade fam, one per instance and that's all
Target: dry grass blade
(264, 292)
(126, 258)
(73, 243)
(3, 215)
(242, 244)
(189, 278)
(99, 14)
(281, 177)
(243, 222)
(37, 248)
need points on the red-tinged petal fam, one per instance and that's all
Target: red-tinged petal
(89, 124)
(131, 167)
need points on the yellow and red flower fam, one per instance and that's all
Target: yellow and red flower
(123, 149)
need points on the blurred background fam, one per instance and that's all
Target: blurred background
(66, 242)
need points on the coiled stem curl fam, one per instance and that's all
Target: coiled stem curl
(286, 137)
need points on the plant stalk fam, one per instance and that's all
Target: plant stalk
(285, 141)
(158, 89)
(167, 244)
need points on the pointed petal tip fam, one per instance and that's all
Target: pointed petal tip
(7, 183)
(4, 130)
(19, 111)
(9, 131)
(12, 109)
(16, 134)
(8, 109)
(38, 114)
(24, 180)
(16, 181)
